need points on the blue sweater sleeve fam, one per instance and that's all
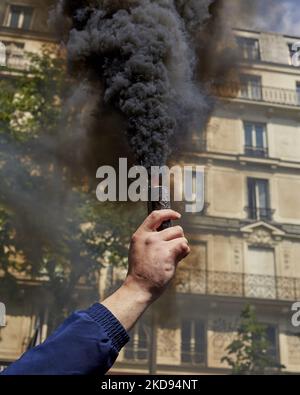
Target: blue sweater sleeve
(88, 342)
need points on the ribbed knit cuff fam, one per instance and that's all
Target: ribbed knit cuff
(115, 331)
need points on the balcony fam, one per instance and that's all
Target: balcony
(17, 63)
(238, 285)
(14, 57)
(258, 93)
(264, 214)
(256, 152)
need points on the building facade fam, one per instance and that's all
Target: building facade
(245, 245)
(23, 28)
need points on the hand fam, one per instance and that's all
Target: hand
(153, 255)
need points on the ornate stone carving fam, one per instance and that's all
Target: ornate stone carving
(218, 343)
(223, 331)
(286, 255)
(262, 234)
(261, 237)
(293, 346)
(237, 254)
(168, 346)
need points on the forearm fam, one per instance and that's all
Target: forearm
(90, 339)
(128, 303)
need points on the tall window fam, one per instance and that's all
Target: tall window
(138, 347)
(248, 48)
(193, 341)
(259, 279)
(258, 199)
(298, 91)
(271, 338)
(271, 334)
(19, 17)
(291, 52)
(255, 139)
(251, 87)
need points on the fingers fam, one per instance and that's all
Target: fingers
(172, 233)
(156, 218)
(179, 248)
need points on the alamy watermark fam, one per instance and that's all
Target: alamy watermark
(185, 182)
(2, 315)
(296, 316)
(2, 54)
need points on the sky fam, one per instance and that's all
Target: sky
(282, 16)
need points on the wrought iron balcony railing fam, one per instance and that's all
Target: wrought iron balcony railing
(258, 93)
(256, 152)
(256, 213)
(17, 63)
(238, 285)
(14, 57)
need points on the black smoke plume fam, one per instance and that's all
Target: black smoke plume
(143, 54)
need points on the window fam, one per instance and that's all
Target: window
(138, 347)
(258, 199)
(255, 139)
(259, 278)
(192, 341)
(298, 91)
(248, 48)
(271, 334)
(251, 87)
(19, 17)
(294, 50)
(291, 52)
(271, 338)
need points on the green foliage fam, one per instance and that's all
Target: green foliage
(31, 103)
(7, 251)
(51, 228)
(249, 352)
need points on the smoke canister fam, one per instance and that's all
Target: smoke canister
(159, 199)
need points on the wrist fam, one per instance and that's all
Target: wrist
(137, 291)
(129, 302)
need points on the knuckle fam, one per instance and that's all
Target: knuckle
(134, 237)
(179, 229)
(184, 246)
(150, 239)
(155, 215)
